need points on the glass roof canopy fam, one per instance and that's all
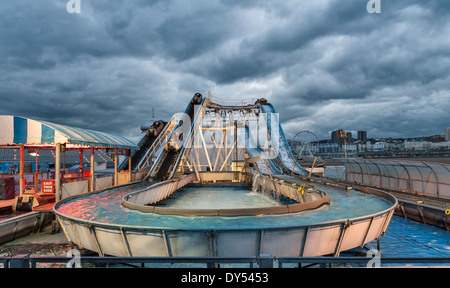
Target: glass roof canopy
(415, 177)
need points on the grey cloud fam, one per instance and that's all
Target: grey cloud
(323, 64)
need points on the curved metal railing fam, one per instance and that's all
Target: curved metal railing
(144, 201)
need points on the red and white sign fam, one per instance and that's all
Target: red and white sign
(48, 187)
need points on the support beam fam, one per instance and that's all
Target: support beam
(235, 144)
(116, 176)
(36, 173)
(64, 160)
(310, 171)
(21, 170)
(293, 168)
(194, 164)
(206, 151)
(219, 152)
(57, 172)
(225, 148)
(80, 169)
(228, 156)
(268, 170)
(130, 171)
(92, 178)
(125, 240)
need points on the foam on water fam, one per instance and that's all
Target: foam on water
(106, 208)
(218, 198)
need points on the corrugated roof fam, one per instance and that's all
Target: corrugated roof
(16, 130)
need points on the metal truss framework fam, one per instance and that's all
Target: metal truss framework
(217, 145)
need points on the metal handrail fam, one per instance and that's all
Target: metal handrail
(419, 198)
(362, 260)
(231, 102)
(144, 163)
(159, 190)
(194, 127)
(262, 261)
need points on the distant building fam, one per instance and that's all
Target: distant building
(426, 146)
(328, 147)
(416, 145)
(380, 146)
(337, 136)
(362, 136)
(334, 138)
(349, 137)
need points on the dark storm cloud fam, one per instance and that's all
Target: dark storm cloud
(323, 64)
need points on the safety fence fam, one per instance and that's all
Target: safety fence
(75, 185)
(102, 181)
(144, 201)
(157, 192)
(231, 102)
(373, 260)
(226, 176)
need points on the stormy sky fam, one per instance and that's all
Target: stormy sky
(323, 64)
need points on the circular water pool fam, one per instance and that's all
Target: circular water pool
(99, 222)
(106, 208)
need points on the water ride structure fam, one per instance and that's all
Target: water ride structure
(218, 151)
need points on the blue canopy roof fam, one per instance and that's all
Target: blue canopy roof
(16, 130)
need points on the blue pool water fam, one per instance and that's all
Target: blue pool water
(218, 198)
(409, 238)
(403, 238)
(106, 208)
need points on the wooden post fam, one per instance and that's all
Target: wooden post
(310, 171)
(268, 170)
(295, 164)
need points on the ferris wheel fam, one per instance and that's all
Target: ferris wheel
(305, 143)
